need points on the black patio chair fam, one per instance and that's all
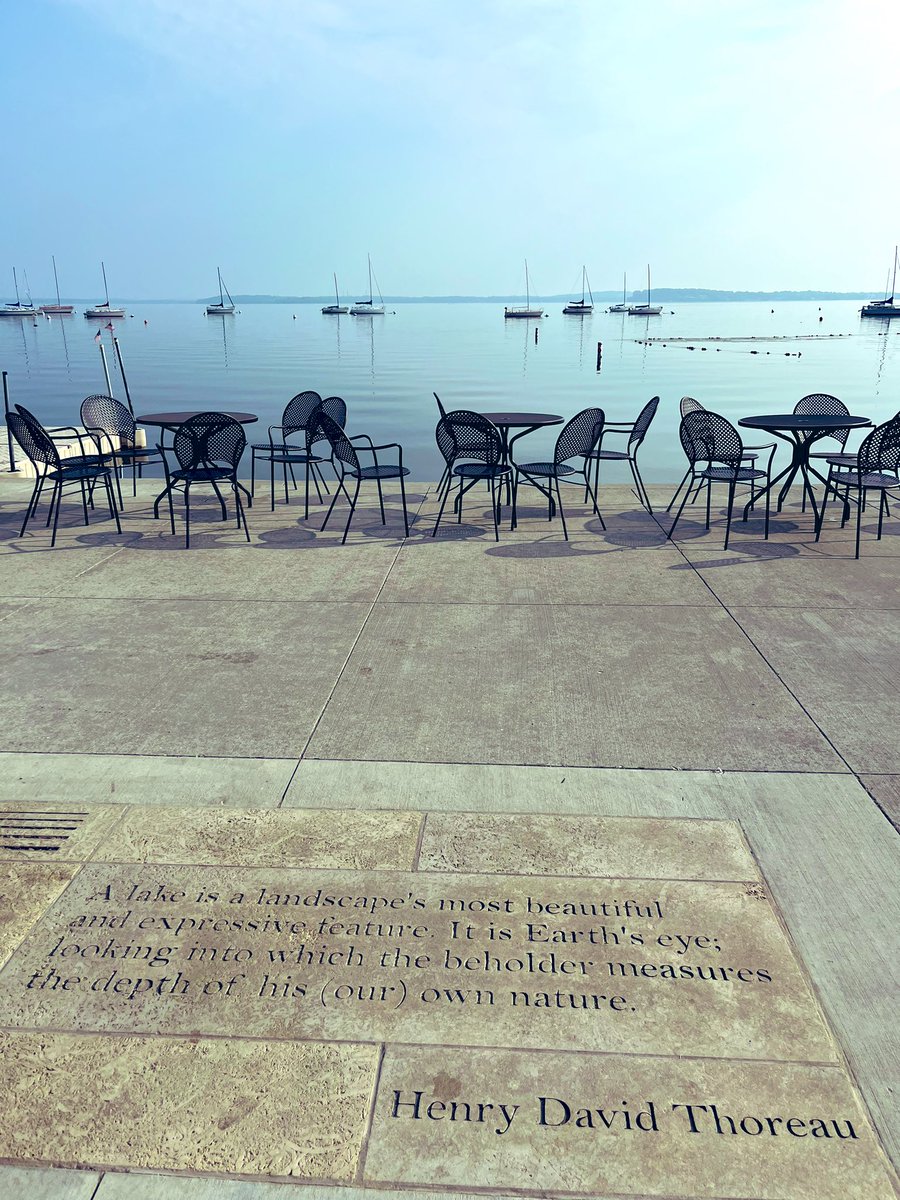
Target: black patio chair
(84, 472)
(635, 431)
(114, 430)
(345, 457)
(208, 449)
(709, 438)
(279, 449)
(820, 404)
(473, 451)
(877, 469)
(689, 404)
(442, 412)
(577, 439)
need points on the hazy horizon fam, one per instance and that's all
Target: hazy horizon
(744, 147)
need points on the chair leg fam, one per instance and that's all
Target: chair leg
(768, 507)
(562, 515)
(444, 500)
(881, 508)
(171, 510)
(57, 491)
(222, 503)
(684, 501)
(677, 490)
(241, 516)
(708, 501)
(731, 488)
(272, 481)
(32, 503)
(252, 471)
(403, 499)
(84, 506)
(381, 501)
(860, 505)
(284, 468)
(514, 500)
(187, 515)
(643, 494)
(493, 510)
(110, 496)
(597, 511)
(352, 511)
(306, 494)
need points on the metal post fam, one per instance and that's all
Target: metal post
(9, 436)
(105, 369)
(599, 354)
(122, 372)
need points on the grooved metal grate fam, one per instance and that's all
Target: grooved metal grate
(38, 832)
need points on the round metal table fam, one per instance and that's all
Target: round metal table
(171, 420)
(801, 431)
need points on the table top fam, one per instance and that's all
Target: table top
(803, 422)
(527, 419)
(171, 420)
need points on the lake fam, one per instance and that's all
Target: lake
(386, 368)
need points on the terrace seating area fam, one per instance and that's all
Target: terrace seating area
(527, 652)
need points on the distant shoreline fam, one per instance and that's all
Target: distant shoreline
(661, 295)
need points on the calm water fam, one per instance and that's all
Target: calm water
(387, 367)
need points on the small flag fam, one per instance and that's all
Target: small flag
(109, 325)
(97, 336)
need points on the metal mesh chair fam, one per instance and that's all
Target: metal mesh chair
(709, 438)
(689, 404)
(279, 449)
(877, 469)
(83, 472)
(636, 431)
(473, 450)
(820, 404)
(114, 430)
(345, 457)
(208, 449)
(577, 439)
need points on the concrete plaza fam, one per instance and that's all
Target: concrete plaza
(614, 675)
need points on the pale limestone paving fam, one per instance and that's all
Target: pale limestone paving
(655, 966)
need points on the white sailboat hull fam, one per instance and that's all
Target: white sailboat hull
(526, 313)
(17, 310)
(577, 309)
(218, 310)
(620, 308)
(365, 308)
(104, 310)
(880, 308)
(335, 310)
(645, 310)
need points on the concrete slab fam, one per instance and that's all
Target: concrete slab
(616, 847)
(568, 684)
(26, 890)
(187, 1104)
(45, 833)
(580, 571)
(886, 791)
(172, 1187)
(32, 572)
(842, 667)
(144, 779)
(637, 966)
(773, 575)
(202, 678)
(45, 1183)
(570, 1124)
(259, 837)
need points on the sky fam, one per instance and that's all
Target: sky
(736, 145)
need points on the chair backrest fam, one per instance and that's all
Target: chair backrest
(469, 436)
(441, 408)
(209, 439)
(580, 435)
(109, 415)
(642, 424)
(710, 438)
(297, 412)
(37, 445)
(689, 404)
(323, 427)
(820, 404)
(335, 407)
(880, 451)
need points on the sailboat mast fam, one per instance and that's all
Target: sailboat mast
(371, 298)
(648, 285)
(105, 285)
(337, 302)
(894, 284)
(527, 293)
(16, 284)
(624, 286)
(582, 284)
(221, 297)
(56, 278)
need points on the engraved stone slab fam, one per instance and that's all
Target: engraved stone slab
(638, 966)
(53, 832)
(26, 890)
(595, 1124)
(624, 847)
(279, 1109)
(262, 837)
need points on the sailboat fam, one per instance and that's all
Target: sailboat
(221, 309)
(19, 308)
(105, 309)
(582, 307)
(648, 309)
(368, 308)
(623, 307)
(885, 308)
(336, 309)
(523, 310)
(58, 309)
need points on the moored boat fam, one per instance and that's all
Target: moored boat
(17, 308)
(58, 309)
(524, 311)
(648, 309)
(886, 308)
(105, 309)
(582, 307)
(368, 308)
(221, 309)
(337, 309)
(624, 306)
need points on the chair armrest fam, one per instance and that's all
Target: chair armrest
(764, 446)
(79, 437)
